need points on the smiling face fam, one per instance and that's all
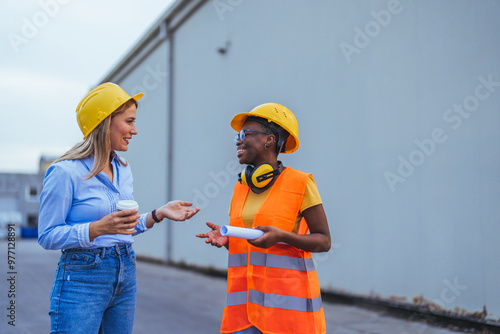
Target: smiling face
(251, 151)
(122, 128)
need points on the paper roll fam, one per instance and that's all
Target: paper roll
(240, 232)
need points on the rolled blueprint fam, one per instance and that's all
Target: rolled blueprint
(240, 232)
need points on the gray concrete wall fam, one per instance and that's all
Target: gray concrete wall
(397, 104)
(148, 151)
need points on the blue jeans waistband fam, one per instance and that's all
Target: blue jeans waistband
(127, 248)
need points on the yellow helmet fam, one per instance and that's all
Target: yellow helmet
(278, 114)
(99, 103)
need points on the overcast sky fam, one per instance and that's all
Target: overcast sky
(52, 52)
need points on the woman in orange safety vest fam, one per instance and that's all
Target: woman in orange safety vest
(272, 283)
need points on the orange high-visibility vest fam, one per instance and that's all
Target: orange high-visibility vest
(274, 289)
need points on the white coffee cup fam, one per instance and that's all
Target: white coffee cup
(127, 205)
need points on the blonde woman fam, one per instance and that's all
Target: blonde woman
(94, 289)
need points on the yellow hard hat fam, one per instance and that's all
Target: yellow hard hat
(99, 103)
(278, 114)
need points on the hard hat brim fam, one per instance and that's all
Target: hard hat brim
(238, 121)
(137, 96)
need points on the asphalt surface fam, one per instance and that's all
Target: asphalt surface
(169, 300)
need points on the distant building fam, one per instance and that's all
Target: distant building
(20, 198)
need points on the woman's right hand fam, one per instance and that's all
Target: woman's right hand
(117, 222)
(214, 237)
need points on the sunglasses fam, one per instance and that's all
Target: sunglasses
(241, 135)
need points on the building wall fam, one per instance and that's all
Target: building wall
(148, 151)
(397, 103)
(20, 198)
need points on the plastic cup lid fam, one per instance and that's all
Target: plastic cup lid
(127, 205)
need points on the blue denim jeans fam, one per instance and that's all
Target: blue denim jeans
(250, 330)
(94, 291)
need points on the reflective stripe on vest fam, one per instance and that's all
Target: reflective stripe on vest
(271, 261)
(237, 260)
(274, 300)
(285, 302)
(236, 298)
(281, 261)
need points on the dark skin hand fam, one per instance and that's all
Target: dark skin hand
(318, 239)
(214, 237)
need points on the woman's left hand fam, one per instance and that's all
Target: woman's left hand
(272, 235)
(177, 210)
(317, 240)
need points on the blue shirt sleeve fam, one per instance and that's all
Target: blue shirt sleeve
(141, 226)
(55, 204)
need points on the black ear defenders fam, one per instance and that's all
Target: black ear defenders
(258, 177)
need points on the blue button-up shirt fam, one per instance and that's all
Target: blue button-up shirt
(69, 203)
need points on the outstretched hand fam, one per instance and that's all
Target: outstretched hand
(214, 237)
(177, 210)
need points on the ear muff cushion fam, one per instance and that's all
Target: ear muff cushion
(246, 176)
(260, 170)
(257, 177)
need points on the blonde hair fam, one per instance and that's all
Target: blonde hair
(97, 144)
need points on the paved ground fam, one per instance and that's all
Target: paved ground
(170, 300)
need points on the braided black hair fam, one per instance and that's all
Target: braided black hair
(279, 133)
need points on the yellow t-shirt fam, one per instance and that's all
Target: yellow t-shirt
(254, 202)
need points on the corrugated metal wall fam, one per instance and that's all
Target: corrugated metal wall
(398, 108)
